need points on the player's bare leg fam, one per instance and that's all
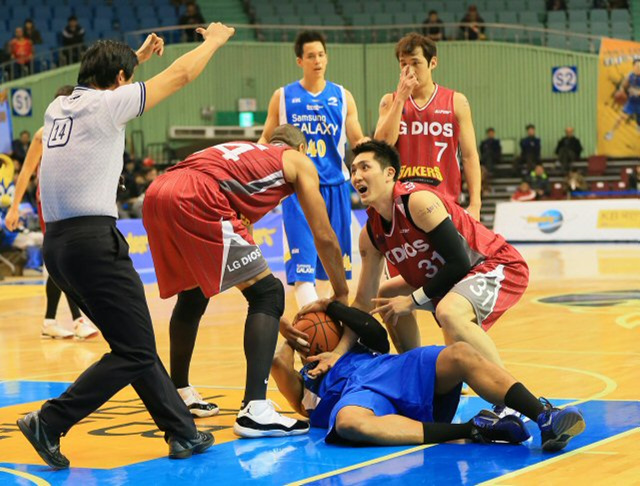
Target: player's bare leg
(458, 320)
(622, 118)
(324, 289)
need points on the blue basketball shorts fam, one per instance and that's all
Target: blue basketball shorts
(402, 384)
(632, 106)
(301, 257)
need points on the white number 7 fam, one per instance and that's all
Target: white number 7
(443, 146)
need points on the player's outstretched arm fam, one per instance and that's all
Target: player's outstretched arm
(370, 272)
(188, 66)
(31, 162)
(307, 188)
(151, 45)
(288, 381)
(273, 117)
(470, 158)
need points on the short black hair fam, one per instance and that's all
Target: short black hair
(531, 125)
(305, 37)
(635, 61)
(385, 154)
(412, 41)
(102, 62)
(72, 17)
(433, 12)
(65, 90)
(490, 129)
(289, 135)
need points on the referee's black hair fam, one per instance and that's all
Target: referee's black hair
(102, 62)
(385, 154)
(305, 37)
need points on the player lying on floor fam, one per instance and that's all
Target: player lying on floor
(411, 398)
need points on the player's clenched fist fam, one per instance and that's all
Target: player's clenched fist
(217, 32)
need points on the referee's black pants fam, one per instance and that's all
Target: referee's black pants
(88, 258)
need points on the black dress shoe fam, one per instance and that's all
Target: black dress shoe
(46, 444)
(180, 448)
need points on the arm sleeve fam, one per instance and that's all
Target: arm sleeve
(368, 329)
(448, 243)
(126, 102)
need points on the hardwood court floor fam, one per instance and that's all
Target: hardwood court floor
(575, 336)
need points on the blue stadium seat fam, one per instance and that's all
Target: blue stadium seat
(620, 15)
(102, 24)
(83, 11)
(556, 17)
(42, 22)
(104, 12)
(508, 17)
(57, 24)
(599, 16)
(145, 11)
(19, 13)
(577, 16)
(600, 28)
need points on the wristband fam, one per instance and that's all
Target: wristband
(419, 297)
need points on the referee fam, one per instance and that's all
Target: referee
(86, 255)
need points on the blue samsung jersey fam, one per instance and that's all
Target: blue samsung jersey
(634, 86)
(321, 117)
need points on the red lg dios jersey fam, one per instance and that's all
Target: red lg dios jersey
(409, 249)
(428, 143)
(250, 175)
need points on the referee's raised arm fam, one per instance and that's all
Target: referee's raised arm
(187, 67)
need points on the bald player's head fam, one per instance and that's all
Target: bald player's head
(291, 136)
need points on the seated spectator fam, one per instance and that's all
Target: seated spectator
(73, 39)
(568, 149)
(192, 16)
(575, 181)
(529, 151)
(31, 33)
(433, 28)
(524, 193)
(539, 182)
(20, 146)
(634, 179)
(556, 5)
(490, 150)
(474, 30)
(21, 51)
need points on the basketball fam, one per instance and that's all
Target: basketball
(324, 334)
(620, 97)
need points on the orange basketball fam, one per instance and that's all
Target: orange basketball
(324, 334)
(620, 97)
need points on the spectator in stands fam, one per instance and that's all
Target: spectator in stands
(490, 150)
(529, 150)
(128, 193)
(21, 51)
(634, 179)
(192, 16)
(20, 146)
(474, 28)
(568, 149)
(73, 39)
(524, 193)
(575, 181)
(556, 5)
(539, 182)
(433, 28)
(31, 33)
(610, 4)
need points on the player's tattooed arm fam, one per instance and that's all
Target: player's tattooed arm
(426, 210)
(389, 117)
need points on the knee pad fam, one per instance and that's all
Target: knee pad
(190, 306)
(266, 297)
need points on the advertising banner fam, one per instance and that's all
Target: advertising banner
(619, 98)
(595, 220)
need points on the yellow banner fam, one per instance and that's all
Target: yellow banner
(619, 218)
(619, 98)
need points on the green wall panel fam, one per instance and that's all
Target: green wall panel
(507, 85)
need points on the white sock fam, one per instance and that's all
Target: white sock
(324, 289)
(305, 293)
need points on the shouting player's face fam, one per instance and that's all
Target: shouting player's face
(369, 178)
(313, 61)
(418, 65)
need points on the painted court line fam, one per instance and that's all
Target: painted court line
(540, 465)
(360, 465)
(23, 475)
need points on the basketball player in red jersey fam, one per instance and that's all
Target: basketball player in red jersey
(449, 263)
(429, 124)
(194, 219)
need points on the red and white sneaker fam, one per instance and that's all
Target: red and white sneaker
(84, 329)
(52, 330)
